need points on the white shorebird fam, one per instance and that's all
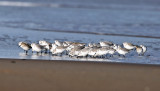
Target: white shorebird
(93, 51)
(57, 49)
(68, 42)
(25, 46)
(45, 44)
(144, 49)
(37, 48)
(58, 43)
(111, 51)
(139, 50)
(84, 52)
(75, 45)
(77, 49)
(122, 51)
(105, 43)
(101, 52)
(53, 47)
(65, 44)
(128, 46)
(70, 47)
(78, 44)
(74, 51)
(90, 45)
(96, 45)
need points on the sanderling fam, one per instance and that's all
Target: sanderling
(74, 51)
(139, 50)
(97, 45)
(111, 51)
(65, 44)
(90, 45)
(68, 42)
(101, 49)
(105, 43)
(128, 46)
(122, 51)
(37, 48)
(84, 52)
(25, 46)
(144, 49)
(78, 44)
(45, 44)
(53, 47)
(70, 47)
(101, 52)
(59, 50)
(94, 45)
(58, 43)
(93, 51)
(75, 45)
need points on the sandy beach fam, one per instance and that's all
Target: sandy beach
(43, 75)
(86, 21)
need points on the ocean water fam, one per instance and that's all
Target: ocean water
(86, 21)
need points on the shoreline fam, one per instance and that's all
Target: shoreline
(77, 61)
(43, 75)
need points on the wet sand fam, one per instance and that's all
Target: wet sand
(43, 75)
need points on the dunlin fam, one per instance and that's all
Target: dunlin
(25, 46)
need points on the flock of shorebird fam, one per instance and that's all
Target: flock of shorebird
(76, 49)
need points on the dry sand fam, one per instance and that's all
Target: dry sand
(42, 75)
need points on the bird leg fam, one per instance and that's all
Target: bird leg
(119, 55)
(26, 52)
(60, 54)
